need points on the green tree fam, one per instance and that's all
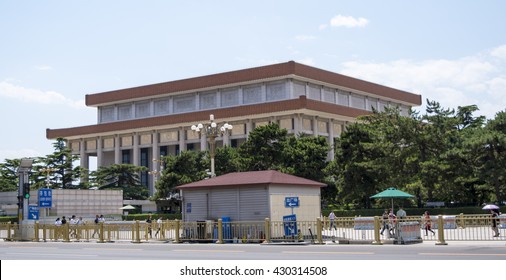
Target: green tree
(305, 156)
(226, 160)
(187, 167)
(8, 175)
(121, 177)
(489, 148)
(56, 170)
(358, 166)
(263, 148)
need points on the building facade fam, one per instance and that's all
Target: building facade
(251, 196)
(139, 125)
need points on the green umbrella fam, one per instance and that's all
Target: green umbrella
(392, 193)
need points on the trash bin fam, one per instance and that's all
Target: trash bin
(227, 228)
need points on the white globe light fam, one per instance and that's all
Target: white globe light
(213, 124)
(194, 127)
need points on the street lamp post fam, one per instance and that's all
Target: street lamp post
(156, 173)
(211, 131)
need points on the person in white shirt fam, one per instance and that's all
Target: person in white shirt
(332, 217)
(73, 224)
(158, 226)
(401, 214)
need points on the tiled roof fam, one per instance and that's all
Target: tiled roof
(286, 69)
(253, 178)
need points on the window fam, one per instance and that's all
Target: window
(125, 112)
(184, 104)
(229, 97)
(208, 100)
(162, 107)
(252, 94)
(142, 110)
(276, 91)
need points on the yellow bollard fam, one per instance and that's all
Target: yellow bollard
(177, 231)
(319, 230)
(137, 232)
(36, 229)
(220, 231)
(66, 233)
(101, 233)
(44, 235)
(377, 226)
(440, 231)
(267, 230)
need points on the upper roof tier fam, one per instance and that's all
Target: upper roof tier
(287, 69)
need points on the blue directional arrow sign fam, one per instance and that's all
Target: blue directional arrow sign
(292, 201)
(33, 212)
(290, 225)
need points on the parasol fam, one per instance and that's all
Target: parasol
(392, 193)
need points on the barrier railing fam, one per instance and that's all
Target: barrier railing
(344, 230)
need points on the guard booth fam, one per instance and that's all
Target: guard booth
(408, 232)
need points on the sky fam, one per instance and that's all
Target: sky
(53, 53)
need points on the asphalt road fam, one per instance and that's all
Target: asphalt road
(168, 251)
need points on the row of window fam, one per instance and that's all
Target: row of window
(230, 97)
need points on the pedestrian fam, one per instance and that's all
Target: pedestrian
(57, 230)
(73, 224)
(148, 223)
(401, 214)
(428, 223)
(332, 218)
(495, 219)
(158, 226)
(392, 222)
(385, 221)
(95, 229)
(63, 220)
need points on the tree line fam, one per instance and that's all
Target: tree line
(447, 155)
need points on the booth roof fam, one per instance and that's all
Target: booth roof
(253, 178)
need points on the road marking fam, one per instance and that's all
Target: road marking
(461, 254)
(66, 255)
(325, 252)
(211, 251)
(113, 249)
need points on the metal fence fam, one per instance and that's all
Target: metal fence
(343, 230)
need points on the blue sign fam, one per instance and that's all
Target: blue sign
(292, 201)
(33, 212)
(290, 225)
(45, 198)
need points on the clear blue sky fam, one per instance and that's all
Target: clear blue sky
(53, 53)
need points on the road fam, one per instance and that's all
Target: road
(168, 251)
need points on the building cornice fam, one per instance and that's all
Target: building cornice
(268, 73)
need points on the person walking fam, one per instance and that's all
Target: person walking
(148, 223)
(392, 222)
(158, 226)
(73, 224)
(385, 221)
(57, 230)
(428, 223)
(95, 229)
(332, 218)
(495, 219)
